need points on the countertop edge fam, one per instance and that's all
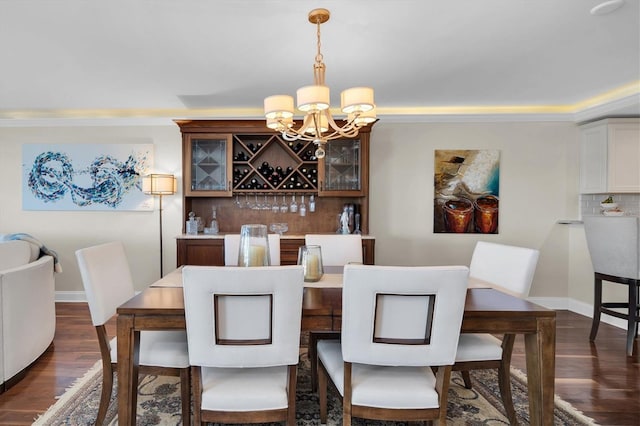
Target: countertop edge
(221, 236)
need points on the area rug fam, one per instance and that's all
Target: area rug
(159, 402)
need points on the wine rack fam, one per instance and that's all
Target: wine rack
(268, 163)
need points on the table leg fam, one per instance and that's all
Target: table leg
(541, 350)
(128, 352)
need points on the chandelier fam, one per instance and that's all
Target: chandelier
(318, 125)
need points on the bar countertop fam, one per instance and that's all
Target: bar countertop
(221, 236)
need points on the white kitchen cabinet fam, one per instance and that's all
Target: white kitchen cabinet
(610, 156)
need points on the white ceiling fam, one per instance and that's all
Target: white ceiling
(220, 58)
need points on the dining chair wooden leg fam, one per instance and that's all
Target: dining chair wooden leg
(346, 400)
(322, 393)
(597, 305)
(312, 353)
(185, 394)
(196, 392)
(105, 394)
(291, 403)
(504, 377)
(466, 378)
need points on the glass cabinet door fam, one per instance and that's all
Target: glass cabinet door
(340, 172)
(208, 165)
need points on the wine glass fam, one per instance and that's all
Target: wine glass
(275, 208)
(302, 208)
(284, 207)
(293, 208)
(238, 202)
(255, 205)
(265, 204)
(312, 204)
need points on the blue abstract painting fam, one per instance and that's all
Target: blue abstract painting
(85, 176)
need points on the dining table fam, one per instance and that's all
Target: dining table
(487, 310)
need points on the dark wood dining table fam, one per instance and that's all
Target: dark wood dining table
(486, 311)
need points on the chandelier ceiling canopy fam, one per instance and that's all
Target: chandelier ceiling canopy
(318, 124)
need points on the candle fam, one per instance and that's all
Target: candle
(256, 255)
(312, 272)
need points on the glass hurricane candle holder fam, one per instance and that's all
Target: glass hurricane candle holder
(254, 246)
(310, 257)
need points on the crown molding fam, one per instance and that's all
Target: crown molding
(621, 102)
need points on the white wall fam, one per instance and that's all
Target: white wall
(538, 186)
(67, 231)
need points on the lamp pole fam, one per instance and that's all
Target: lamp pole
(159, 184)
(161, 259)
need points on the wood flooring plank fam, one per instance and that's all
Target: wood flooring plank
(598, 379)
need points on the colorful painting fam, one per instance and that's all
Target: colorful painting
(466, 188)
(85, 176)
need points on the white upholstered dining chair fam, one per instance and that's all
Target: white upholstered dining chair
(243, 330)
(232, 247)
(108, 284)
(399, 324)
(614, 248)
(509, 269)
(337, 249)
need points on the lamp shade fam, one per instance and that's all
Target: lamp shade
(278, 106)
(357, 99)
(317, 120)
(363, 118)
(280, 124)
(313, 98)
(159, 184)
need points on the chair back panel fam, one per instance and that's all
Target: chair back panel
(428, 301)
(106, 278)
(509, 267)
(403, 318)
(614, 245)
(232, 247)
(337, 250)
(283, 283)
(243, 319)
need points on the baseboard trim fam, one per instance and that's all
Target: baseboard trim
(70, 296)
(573, 305)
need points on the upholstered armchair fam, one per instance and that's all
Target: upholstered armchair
(27, 309)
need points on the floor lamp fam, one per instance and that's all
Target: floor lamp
(159, 184)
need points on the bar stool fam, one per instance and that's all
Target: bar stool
(614, 247)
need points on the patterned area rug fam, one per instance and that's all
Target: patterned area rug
(159, 402)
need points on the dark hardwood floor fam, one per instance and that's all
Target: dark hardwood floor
(599, 379)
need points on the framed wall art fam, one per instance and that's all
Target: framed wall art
(85, 176)
(467, 191)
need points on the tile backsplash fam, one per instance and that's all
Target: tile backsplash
(628, 203)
